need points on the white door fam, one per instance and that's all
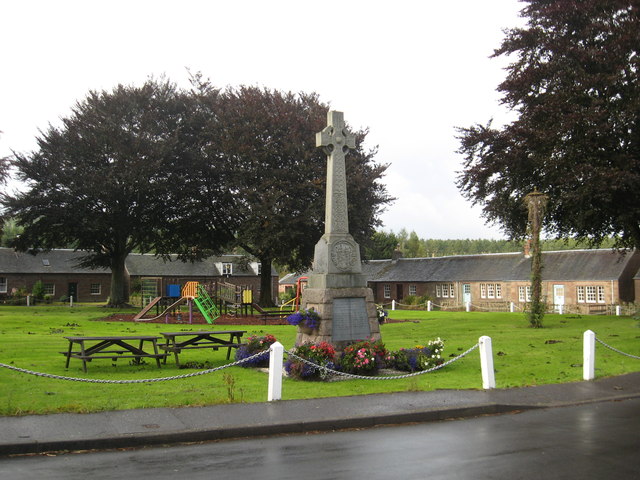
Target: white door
(466, 293)
(558, 297)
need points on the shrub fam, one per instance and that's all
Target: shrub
(256, 344)
(321, 354)
(418, 358)
(38, 290)
(364, 357)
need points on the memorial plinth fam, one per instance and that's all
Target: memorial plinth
(337, 289)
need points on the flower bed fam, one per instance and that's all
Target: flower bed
(418, 358)
(256, 344)
(322, 354)
(363, 358)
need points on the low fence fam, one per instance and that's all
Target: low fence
(562, 309)
(276, 362)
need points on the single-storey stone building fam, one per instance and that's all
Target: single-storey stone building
(61, 276)
(585, 279)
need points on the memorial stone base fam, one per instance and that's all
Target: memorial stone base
(346, 316)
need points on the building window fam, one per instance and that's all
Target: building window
(95, 289)
(601, 294)
(49, 289)
(580, 294)
(591, 293)
(259, 268)
(445, 290)
(412, 290)
(227, 269)
(387, 290)
(524, 293)
(492, 290)
(3, 284)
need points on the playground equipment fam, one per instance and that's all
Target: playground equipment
(192, 293)
(211, 301)
(294, 303)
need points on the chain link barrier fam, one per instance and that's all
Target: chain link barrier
(145, 380)
(616, 350)
(325, 370)
(329, 371)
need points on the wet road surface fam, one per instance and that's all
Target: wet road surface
(599, 440)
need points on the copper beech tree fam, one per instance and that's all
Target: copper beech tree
(573, 82)
(265, 140)
(163, 170)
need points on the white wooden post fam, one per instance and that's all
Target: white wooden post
(468, 306)
(511, 307)
(617, 310)
(71, 301)
(560, 308)
(428, 305)
(275, 372)
(28, 300)
(393, 304)
(486, 363)
(589, 355)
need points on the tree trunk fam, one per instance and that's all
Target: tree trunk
(119, 295)
(266, 296)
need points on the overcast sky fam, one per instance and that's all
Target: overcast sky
(411, 71)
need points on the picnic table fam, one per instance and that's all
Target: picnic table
(113, 347)
(178, 341)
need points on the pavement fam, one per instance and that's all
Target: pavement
(158, 426)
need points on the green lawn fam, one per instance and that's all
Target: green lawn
(32, 338)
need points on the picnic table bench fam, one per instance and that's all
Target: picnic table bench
(113, 347)
(178, 341)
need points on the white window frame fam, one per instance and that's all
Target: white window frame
(524, 293)
(413, 290)
(498, 290)
(3, 285)
(438, 290)
(591, 293)
(580, 297)
(483, 290)
(452, 290)
(387, 290)
(92, 289)
(600, 294)
(445, 290)
(49, 288)
(491, 290)
(227, 268)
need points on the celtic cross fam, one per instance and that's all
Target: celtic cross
(336, 142)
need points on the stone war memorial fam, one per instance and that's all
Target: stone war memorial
(337, 289)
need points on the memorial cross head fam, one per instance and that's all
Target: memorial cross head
(335, 136)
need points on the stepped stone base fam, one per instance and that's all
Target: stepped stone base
(347, 315)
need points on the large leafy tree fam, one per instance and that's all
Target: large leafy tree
(111, 178)
(573, 83)
(265, 140)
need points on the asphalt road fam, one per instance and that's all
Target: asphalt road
(593, 441)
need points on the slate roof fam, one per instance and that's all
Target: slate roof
(565, 265)
(61, 261)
